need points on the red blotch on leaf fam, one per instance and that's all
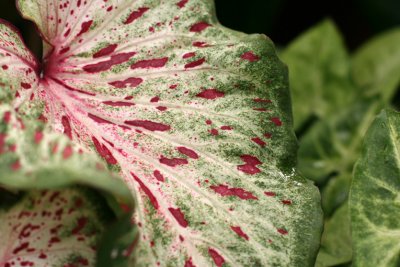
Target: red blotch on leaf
(105, 51)
(21, 247)
(98, 119)
(224, 190)
(239, 232)
(282, 231)
(258, 141)
(226, 128)
(67, 152)
(38, 137)
(188, 152)
(250, 56)
(189, 55)
(147, 191)
(67, 32)
(199, 26)
(179, 216)
(149, 125)
(196, 63)
(211, 94)
(118, 103)
(64, 50)
(268, 135)
(217, 258)
(181, 4)
(287, 202)
(276, 121)
(104, 152)
(251, 164)
(131, 82)
(157, 174)
(270, 194)
(150, 63)
(67, 126)
(200, 44)
(161, 108)
(214, 132)
(16, 166)
(85, 27)
(26, 85)
(189, 263)
(106, 65)
(173, 162)
(260, 100)
(155, 99)
(7, 117)
(136, 14)
(80, 224)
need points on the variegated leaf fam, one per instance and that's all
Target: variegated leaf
(56, 205)
(18, 67)
(194, 116)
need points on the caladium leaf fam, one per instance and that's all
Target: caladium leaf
(55, 204)
(374, 195)
(18, 67)
(194, 116)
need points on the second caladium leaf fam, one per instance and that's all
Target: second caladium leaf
(57, 206)
(194, 116)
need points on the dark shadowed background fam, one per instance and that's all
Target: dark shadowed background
(281, 20)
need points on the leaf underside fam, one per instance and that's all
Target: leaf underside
(195, 117)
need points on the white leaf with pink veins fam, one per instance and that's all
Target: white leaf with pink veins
(194, 116)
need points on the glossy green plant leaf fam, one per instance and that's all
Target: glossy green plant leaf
(319, 73)
(56, 204)
(336, 240)
(374, 195)
(376, 65)
(195, 117)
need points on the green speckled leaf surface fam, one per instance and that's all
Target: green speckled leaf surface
(374, 195)
(195, 117)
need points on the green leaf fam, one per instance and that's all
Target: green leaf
(56, 204)
(336, 240)
(376, 65)
(332, 146)
(194, 116)
(374, 195)
(319, 73)
(335, 192)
